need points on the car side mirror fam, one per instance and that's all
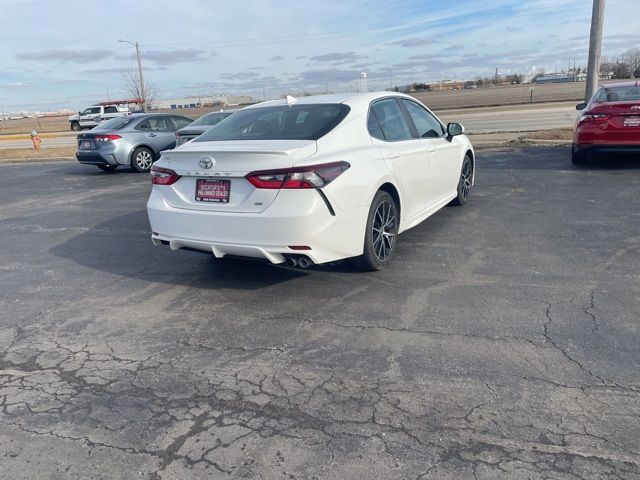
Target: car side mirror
(581, 106)
(454, 129)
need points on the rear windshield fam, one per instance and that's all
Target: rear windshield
(618, 94)
(116, 123)
(282, 122)
(211, 118)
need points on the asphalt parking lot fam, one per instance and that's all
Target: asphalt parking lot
(501, 343)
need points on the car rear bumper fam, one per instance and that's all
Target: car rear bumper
(599, 148)
(110, 153)
(296, 218)
(95, 158)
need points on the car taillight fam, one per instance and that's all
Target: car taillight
(163, 176)
(311, 176)
(107, 138)
(180, 140)
(592, 117)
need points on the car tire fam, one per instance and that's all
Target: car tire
(381, 234)
(75, 126)
(107, 168)
(464, 183)
(141, 159)
(578, 158)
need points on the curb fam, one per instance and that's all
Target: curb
(536, 141)
(27, 136)
(27, 160)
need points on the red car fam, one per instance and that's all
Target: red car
(609, 123)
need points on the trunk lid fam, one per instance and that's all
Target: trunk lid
(194, 130)
(618, 112)
(87, 141)
(622, 124)
(231, 162)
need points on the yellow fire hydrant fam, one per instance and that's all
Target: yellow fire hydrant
(35, 139)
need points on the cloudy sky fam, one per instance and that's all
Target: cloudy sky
(66, 54)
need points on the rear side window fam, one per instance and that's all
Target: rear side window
(374, 127)
(391, 120)
(282, 122)
(110, 110)
(426, 124)
(155, 124)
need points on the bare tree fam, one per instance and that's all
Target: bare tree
(621, 70)
(133, 87)
(607, 66)
(632, 59)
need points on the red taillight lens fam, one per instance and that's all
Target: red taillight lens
(592, 117)
(311, 176)
(266, 179)
(163, 176)
(107, 138)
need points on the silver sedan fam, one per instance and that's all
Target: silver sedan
(136, 140)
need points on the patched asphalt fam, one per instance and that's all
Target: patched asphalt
(501, 343)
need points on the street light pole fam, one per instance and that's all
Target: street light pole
(595, 45)
(144, 96)
(142, 92)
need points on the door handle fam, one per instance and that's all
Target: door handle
(151, 134)
(394, 155)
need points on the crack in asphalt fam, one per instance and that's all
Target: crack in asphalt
(90, 389)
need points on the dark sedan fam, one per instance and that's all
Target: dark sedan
(200, 126)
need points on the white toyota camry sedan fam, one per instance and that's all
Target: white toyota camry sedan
(311, 180)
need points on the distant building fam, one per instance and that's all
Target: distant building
(561, 78)
(202, 101)
(446, 85)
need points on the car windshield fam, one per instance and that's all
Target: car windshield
(211, 119)
(282, 122)
(618, 94)
(116, 123)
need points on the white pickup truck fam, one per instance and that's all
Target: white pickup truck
(93, 115)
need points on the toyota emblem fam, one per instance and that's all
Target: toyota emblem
(635, 108)
(206, 162)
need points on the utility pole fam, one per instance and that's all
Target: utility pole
(595, 45)
(142, 93)
(144, 97)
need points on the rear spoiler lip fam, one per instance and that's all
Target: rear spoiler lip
(247, 150)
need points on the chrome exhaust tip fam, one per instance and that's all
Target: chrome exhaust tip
(291, 262)
(304, 262)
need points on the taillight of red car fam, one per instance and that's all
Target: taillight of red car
(311, 176)
(163, 176)
(592, 117)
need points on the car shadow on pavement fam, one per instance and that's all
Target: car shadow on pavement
(78, 169)
(627, 162)
(551, 158)
(122, 246)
